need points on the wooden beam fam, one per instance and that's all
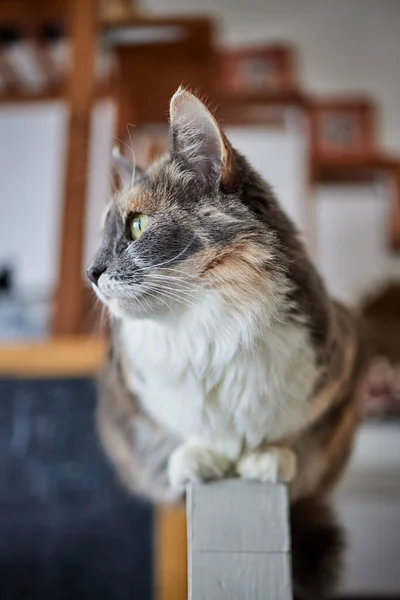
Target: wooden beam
(26, 13)
(350, 169)
(170, 554)
(66, 357)
(70, 295)
(239, 541)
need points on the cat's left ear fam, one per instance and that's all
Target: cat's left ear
(198, 139)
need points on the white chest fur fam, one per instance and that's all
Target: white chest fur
(208, 384)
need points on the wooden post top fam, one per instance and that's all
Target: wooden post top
(238, 541)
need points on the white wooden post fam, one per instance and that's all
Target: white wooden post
(239, 541)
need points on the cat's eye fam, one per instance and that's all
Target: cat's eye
(139, 224)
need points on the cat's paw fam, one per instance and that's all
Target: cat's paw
(195, 463)
(272, 465)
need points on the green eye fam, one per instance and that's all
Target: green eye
(138, 224)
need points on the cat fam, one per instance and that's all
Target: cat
(227, 358)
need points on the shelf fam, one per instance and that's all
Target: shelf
(285, 98)
(350, 169)
(62, 357)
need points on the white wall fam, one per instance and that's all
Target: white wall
(32, 149)
(32, 163)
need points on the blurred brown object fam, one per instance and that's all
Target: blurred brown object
(30, 12)
(382, 390)
(394, 217)
(116, 10)
(343, 127)
(27, 14)
(266, 69)
(171, 573)
(77, 356)
(381, 311)
(70, 294)
(177, 50)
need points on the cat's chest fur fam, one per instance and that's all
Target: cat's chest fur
(214, 387)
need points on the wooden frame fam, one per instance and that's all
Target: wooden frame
(171, 580)
(350, 169)
(251, 114)
(77, 356)
(70, 293)
(343, 128)
(268, 69)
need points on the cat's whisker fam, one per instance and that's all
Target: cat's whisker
(174, 270)
(171, 277)
(171, 295)
(163, 301)
(102, 316)
(147, 304)
(178, 285)
(158, 291)
(174, 289)
(166, 262)
(133, 156)
(195, 287)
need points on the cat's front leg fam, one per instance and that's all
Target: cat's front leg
(272, 464)
(196, 462)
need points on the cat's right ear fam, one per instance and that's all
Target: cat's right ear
(197, 138)
(126, 169)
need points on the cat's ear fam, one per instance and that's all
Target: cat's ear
(198, 139)
(127, 170)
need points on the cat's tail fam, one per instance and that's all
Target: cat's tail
(317, 548)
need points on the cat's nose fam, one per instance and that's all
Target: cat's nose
(94, 272)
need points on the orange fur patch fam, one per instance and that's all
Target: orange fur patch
(139, 200)
(237, 271)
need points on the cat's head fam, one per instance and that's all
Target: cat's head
(184, 228)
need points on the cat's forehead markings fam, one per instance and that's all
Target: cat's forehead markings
(137, 200)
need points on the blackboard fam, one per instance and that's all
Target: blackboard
(67, 528)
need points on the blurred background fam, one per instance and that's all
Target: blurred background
(309, 91)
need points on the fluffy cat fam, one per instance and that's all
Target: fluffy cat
(228, 358)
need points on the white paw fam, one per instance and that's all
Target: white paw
(272, 465)
(195, 463)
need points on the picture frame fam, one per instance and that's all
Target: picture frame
(343, 128)
(258, 70)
